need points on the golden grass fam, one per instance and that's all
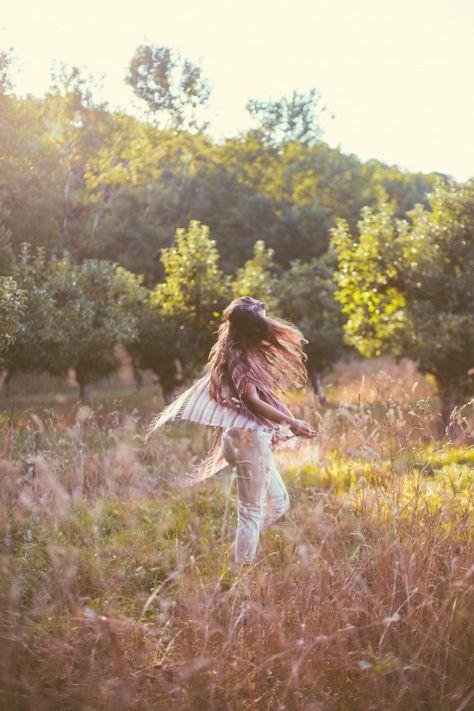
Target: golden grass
(116, 588)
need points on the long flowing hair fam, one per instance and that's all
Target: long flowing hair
(269, 349)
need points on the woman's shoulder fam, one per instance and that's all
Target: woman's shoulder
(240, 374)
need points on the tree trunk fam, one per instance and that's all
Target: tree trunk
(84, 392)
(137, 377)
(451, 396)
(7, 381)
(317, 383)
(168, 394)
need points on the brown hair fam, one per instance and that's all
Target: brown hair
(269, 349)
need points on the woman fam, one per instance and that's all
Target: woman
(253, 355)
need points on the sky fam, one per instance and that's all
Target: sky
(396, 76)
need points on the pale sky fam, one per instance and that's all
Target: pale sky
(397, 74)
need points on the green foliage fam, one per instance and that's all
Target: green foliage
(367, 280)
(408, 288)
(172, 87)
(256, 277)
(155, 347)
(194, 292)
(30, 174)
(306, 297)
(29, 352)
(96, 299)
(140, 185)
(86, 182)
(7, 255)
(401, 189)
(76, 175)
(6, 60)
(75, 124)
(12, 306)
(285, 120)
(77, 314)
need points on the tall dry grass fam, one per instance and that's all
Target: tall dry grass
(116, 588)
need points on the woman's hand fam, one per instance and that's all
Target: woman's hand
(302, 429)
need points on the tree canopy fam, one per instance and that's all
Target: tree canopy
(106, 222)
(76, 175)
(406, 286)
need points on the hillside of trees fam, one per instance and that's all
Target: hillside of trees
(119, 230)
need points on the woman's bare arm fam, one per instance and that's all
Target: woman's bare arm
(285, 409)
(259, 407)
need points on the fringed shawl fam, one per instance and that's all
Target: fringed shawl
(196, 405)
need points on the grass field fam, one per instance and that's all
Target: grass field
(116, 587)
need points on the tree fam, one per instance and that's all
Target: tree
(306, 297)
(256, 277)
(156, 346)
(77, 314)
(12, 298)
(105, 316)
(403, 189)
(284, 120)
(7, 255)
(172, 87)
(141, 185)
(407, 288)
(288, 197)
(6, 61)
(77, 176)
(29, 351)
(30, 173)
(75, 121)
(12, 306)
(193, 294)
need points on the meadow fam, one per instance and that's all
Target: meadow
(115, 581)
